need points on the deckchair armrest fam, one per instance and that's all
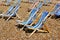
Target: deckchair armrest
(1, 14)
(4, 15)
(27, 25)
(19, 21)
(31, 28)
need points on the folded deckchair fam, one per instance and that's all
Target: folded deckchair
(40, 22)
(32, 15)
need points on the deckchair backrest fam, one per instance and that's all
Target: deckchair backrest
(55, 8)
(34, 11)
(32, 1)
(15, 11)
(19, 1)
(45, 1)
(49, 0)
(57, 12)
(37, 8)
(8, 2)
(57, 5)
(44, 14)
(31, 14)
(39, 5)
(10, 9)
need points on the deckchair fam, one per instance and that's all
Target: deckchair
(32, 15)
(40, 22)
(12, 11)
(8, 11)
(16, 7)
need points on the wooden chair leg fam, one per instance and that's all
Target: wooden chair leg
(46, 28)
(42, 31)
(32, 33)
(17, 16)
